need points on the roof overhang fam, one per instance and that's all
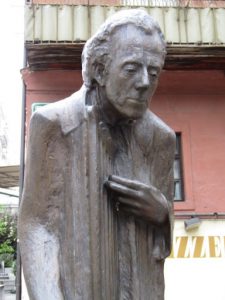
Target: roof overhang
(55, 34)
(9, 176)
(68, 56)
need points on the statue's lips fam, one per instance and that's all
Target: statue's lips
(136, 101)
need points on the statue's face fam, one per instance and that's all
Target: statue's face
(132, 76)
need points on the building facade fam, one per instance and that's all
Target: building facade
(190, 99)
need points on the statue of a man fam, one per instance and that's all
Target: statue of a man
(95, 220)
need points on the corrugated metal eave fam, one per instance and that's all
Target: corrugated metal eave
(76, 23)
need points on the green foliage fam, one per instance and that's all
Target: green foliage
(8, 259)
(8, 225)
(6, 248)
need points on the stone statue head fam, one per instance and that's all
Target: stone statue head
(124, 59)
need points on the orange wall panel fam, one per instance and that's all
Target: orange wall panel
(191, 102)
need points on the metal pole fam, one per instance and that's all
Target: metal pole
(21, 178)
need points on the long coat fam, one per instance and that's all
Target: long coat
(76, 242)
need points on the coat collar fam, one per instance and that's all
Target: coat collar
(74, 111)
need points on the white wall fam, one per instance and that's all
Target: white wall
(11, 61)
(197, 269)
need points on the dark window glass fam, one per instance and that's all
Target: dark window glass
(177, 170)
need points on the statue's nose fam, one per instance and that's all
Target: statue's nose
(143, 82)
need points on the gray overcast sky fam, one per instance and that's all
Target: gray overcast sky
(11, 32)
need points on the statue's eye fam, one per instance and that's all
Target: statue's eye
(130, 68)
(153, 73)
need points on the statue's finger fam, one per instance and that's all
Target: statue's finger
(122, 189)
(134, 184)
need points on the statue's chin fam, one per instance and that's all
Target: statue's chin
(134, 109)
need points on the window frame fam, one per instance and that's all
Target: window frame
(188, 204)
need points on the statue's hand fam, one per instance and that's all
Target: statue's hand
(139, 199)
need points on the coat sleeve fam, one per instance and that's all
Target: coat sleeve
(39, 212)
(163, 234)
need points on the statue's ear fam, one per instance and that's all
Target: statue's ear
(99, 73)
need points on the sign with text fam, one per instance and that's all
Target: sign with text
(198, 247)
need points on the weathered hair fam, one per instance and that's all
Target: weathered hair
(97, 48)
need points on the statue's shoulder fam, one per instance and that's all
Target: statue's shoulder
(152, 133)
(160, 127)
(164, 136)
(67, 114)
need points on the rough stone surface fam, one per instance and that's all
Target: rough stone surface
(96, 216)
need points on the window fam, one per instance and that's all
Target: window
(178, 176)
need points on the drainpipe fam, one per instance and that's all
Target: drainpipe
(21, 179)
